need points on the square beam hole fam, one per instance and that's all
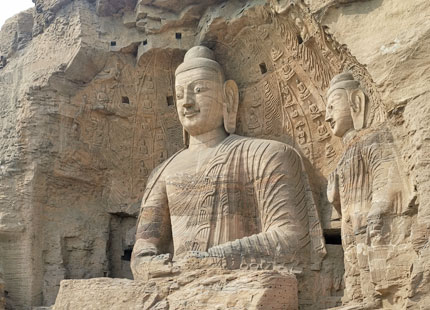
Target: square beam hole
(178, 35)
(125, 100)
(263, 68)
(170, 101)
(112, 43)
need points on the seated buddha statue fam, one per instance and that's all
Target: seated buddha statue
(242, 199)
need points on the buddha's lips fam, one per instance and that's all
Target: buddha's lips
(332, 124)
(191, 113)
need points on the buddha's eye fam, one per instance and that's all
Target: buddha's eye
(197, 89)
(179, 93)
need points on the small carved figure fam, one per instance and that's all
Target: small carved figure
(287, 99)
(287, 72)
(322, 132)
(276, 54)
(143, 169)
(294, 113)
(144, 148)
(315, 112)
(236, 198)
(253, 119)
(102, 98)
(147, 102)
(367, 189)
(329, 151)
(303, 91)
(301, 136)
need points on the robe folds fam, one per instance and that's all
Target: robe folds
(372, 193)
(251, 199)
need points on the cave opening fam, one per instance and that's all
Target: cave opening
(127, 255)
(333, 237)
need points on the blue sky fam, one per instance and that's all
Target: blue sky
(13, 7)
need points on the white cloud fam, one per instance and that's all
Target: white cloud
(13, 7)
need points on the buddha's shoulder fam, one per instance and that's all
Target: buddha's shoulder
(166, 167)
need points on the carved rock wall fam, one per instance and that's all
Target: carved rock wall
(391, 39)
(2, 293)
(88, 111)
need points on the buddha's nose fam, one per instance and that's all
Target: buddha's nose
(188, 100)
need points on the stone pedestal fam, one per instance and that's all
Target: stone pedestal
(216, 289)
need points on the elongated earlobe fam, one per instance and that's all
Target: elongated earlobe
(357, 99)
(231, 104)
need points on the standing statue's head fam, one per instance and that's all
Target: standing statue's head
(346, 104)
(205, 101)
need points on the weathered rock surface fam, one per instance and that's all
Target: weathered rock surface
(86, 114)
(212, 289)
(2, 294)
(396, 57)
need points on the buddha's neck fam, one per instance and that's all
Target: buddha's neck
(348, 136)
(208, 140)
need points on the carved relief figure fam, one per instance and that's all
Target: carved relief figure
(253, 119)
(313, 108)
(303, 91)
(367, 190)
(245, 200)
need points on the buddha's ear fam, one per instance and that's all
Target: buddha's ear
(231, 104)
(357, 100)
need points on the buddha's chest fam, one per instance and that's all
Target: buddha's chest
(206, 192)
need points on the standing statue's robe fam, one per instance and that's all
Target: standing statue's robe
(251, 199)
(370, 192)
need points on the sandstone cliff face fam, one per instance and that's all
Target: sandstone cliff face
(2, 295)
(391, 39)
(86, 90)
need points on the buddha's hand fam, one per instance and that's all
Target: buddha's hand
(216, 251)
(374, 224)
(142, 252)
(226, 249)
(147, 263)
(197, 254)
(155, 266)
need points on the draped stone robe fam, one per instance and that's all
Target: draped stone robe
(250, 199)
(370, 192)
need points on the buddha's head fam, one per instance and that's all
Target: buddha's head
(204, 100)
(346, 104)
